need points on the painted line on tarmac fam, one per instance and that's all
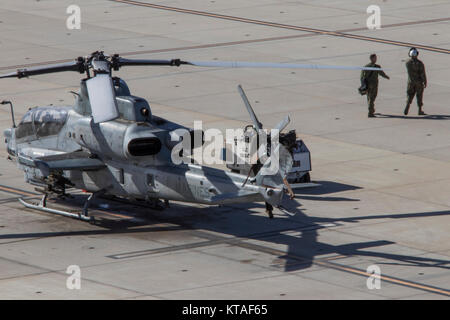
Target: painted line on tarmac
(16, 191)
(300, 28)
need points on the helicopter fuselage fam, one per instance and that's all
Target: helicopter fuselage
(135, 157)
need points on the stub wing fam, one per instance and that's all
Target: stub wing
(78, 160)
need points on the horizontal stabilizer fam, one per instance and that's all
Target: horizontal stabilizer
(78, 160)
(304, 185)
(233, 196)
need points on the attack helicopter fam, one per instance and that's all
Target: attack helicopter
(109, 143)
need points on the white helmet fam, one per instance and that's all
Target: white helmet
(413, 52)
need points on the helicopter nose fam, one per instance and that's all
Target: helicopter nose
(7, 134)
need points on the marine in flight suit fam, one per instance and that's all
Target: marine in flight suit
(371, 77)
(417, 81)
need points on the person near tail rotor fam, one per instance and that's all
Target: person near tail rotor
(417, 81)
(369, 83)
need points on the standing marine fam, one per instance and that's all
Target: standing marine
(417, 81)
(370, 79)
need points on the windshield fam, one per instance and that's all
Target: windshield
(41, 122)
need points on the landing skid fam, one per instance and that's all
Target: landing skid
(42, 206)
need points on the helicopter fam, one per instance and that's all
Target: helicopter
(110, 144)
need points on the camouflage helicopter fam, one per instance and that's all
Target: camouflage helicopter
(110, 143)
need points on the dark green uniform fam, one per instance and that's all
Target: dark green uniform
(372, 84)
(417, 81)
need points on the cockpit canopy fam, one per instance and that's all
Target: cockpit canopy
(41, 122)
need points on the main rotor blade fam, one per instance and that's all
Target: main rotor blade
(242, 64)
(60, 67)
(258, 125)
(119, 62)
(9, 75)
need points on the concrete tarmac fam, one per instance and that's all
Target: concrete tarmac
(384, 198)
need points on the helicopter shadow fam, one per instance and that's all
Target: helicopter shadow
(325, 187)
(299, 233)
(427, 117)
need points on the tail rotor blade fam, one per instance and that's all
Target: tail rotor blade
(258, 125)
(283, 124)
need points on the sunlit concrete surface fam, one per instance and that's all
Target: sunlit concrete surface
(384, 197)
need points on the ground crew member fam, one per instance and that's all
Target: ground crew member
(370, 78)
(417, 81)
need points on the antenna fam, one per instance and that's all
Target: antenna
(12, 111)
